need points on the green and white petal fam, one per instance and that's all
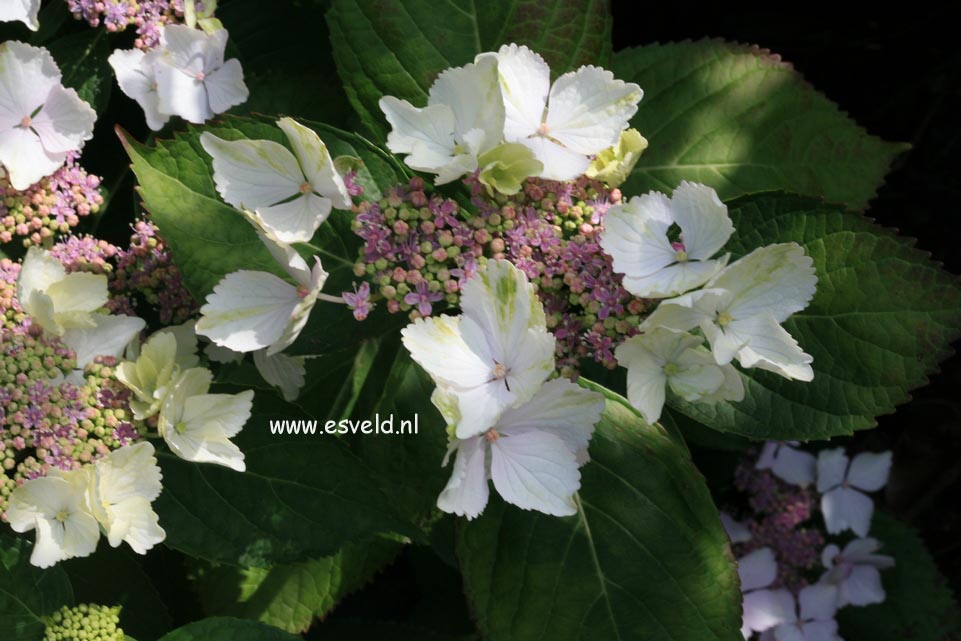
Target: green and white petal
(134, 521)
(253, 174)
(248, 311)
(776, 279)
(505, 168)
(525, 81)
(685, 312)
(613, 166)
(635, 235)
(206, 424)
(589, 108)
(675, 279)
(301, 312)
(316, 163)
(78, 293)
(109, 336)
(438, 345)
(295, 220)
(425, 133)
(39, 271)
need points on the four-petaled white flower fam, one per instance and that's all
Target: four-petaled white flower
(495, 355)
(463, 119)
(252, 310)
(636, 237)
(123, 484)
(56, 507)
(41, 121)
(291, 193)
(136, 74)
(843, 483)
(65, 305)
(24, 11)
(532, 453)
(661, 358)
(198, 426)
(581, 115)
(855, 571)
(811, 619)
(788, 463)
(185, 76)
(741, 310)
(763, 608)
(157, 367)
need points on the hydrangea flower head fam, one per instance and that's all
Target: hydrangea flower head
(84, 622)
(41, 121)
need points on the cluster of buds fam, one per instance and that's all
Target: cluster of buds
(11, 315)
(50, 207)
(48, 421)
(84, 622)
(418, 249)
(782, 518)
(145, 271)
(147, 16)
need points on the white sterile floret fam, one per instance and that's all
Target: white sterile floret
(282, 371)
(198, 426)
(582, 114)
(252, 310)
(788, 463)
(463, 119)
(24, 11)
(741, 310)
(291, 193)
(636, 237)
(843, 484)
(56, 507)
(532, 453)
(763, 608)
(65, 305)
(41, 121)
(495, 355)
(661, 358)
(123, 484)
(811, 619)
(137, 77)
(156, 368)
(856, 571)
(193, 79)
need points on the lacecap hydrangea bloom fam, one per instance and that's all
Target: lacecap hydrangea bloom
(794, 580)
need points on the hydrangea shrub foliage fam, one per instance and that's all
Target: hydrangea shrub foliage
(230, 234)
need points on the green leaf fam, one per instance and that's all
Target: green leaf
(291, 596)
(27, 593)
(883, 316)
(228, 629)
(741, 120)
(919, 605)
(282, 53)
(82, 58)
(302, 495)
(397, 48)
(209, 238)
(115, 576)
(644, 558)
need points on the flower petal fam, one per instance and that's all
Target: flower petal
(869, 472)
(280, 370)
(438, 345)
(225, 87)
(525, 81)
(135, 75)
(535, 471)
(24, 158)
(109, 336)
(765, 609)
(862, 587)
(316, 162)
(253, 174)
(757, 569)
(181, 94)
(466, 493)
(770, 347)
(845, 508)
(248, 311)
(818, 602)
(560, 163)
(65, 122)
(832, 468)
(473, 94)
(703, 219)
